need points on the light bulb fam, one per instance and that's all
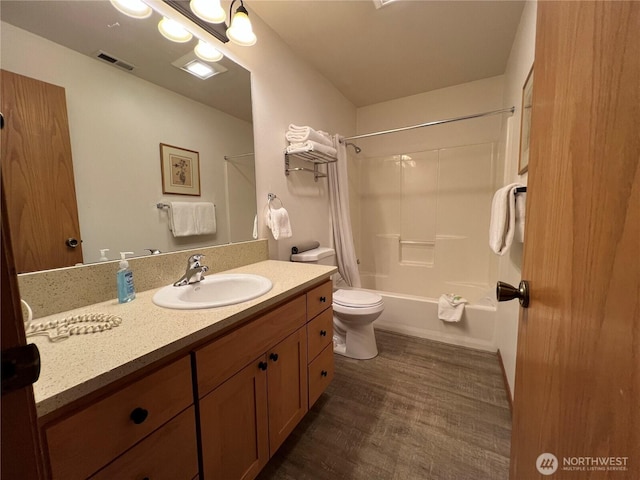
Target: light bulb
(208, 10)
(173, 31)
(240, 30)
(132, 8)
(207, 52)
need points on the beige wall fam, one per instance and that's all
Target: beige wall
(116, 123)
(286, 90)
(428, 185)
(509, 265)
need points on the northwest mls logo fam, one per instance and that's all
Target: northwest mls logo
(547, 464)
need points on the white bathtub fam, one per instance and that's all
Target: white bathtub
(418, 316)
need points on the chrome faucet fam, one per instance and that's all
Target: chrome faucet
(194, 269)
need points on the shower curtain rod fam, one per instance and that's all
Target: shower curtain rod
(229, 157)
(429, 124)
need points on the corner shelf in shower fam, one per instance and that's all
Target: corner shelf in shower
(316, 158)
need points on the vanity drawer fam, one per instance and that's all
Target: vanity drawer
(84, 442)
(169, 453)
(319, 299)
(320, 374)
(319, 333)
(228, 354)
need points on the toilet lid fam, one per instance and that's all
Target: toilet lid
(356, 298)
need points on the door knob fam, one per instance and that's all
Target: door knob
(506, 292)
(71, 242)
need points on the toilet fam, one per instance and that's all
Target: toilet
(354, 311)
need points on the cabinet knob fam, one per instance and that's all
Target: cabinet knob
(139, 415)
(262, 366)
(324, 373)
(323, 299)
(323, 333)
(274, 357)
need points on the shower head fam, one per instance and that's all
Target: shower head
(356, 148)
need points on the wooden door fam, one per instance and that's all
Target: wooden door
(287, 386)
(577, 389)
(234, 426)
(38, 174)
(20, 440)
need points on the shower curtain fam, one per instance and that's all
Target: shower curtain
(339, 200)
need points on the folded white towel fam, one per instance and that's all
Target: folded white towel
(311, 146)
(298, 134)
(278, 221)
(192, 218)
(451, 307)
(503, 216)
(521, 203)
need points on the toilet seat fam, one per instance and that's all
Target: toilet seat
(356, 299)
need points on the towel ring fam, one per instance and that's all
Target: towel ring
(271, 197)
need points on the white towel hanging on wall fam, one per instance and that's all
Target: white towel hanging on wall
(192, 218)
(277, 219)
(503, 219)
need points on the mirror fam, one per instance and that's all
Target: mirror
(119, 117)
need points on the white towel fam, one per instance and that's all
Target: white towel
(521, 203)
(192, 218)
(311, 146)
(278, 221)
(298, 134)
(503, 216)
(450, 307)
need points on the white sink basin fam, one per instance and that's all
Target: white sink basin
(213, 291)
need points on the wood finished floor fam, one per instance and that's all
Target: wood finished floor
(419, 410)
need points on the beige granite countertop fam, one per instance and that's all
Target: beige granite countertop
(81, 364)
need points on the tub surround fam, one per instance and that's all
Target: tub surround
(53, 291)
(80, 365)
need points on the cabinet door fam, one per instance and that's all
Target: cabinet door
(234, 428)
(287, 386)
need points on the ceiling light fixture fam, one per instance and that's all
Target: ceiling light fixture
(208, 10)
(132, 8)
(207, 52)
(199, 69)
(240, 30)
(173, 31)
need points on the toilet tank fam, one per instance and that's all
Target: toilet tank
(319, 256)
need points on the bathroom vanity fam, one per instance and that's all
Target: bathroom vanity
(207, 394)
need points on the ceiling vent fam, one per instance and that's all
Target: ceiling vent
(113, 60)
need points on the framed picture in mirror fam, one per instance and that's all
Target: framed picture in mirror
(180, 170)
(525, 123)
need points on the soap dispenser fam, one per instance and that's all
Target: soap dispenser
(126, 290)
(103, 255)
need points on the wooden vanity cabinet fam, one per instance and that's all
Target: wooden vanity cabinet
(246, 417)
(253, 385)
(140, 413)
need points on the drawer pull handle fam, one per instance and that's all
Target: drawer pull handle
(262, 366)
(324, 373)
(139, 415)
(323, 333)
(274, 357)
(323, 299)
